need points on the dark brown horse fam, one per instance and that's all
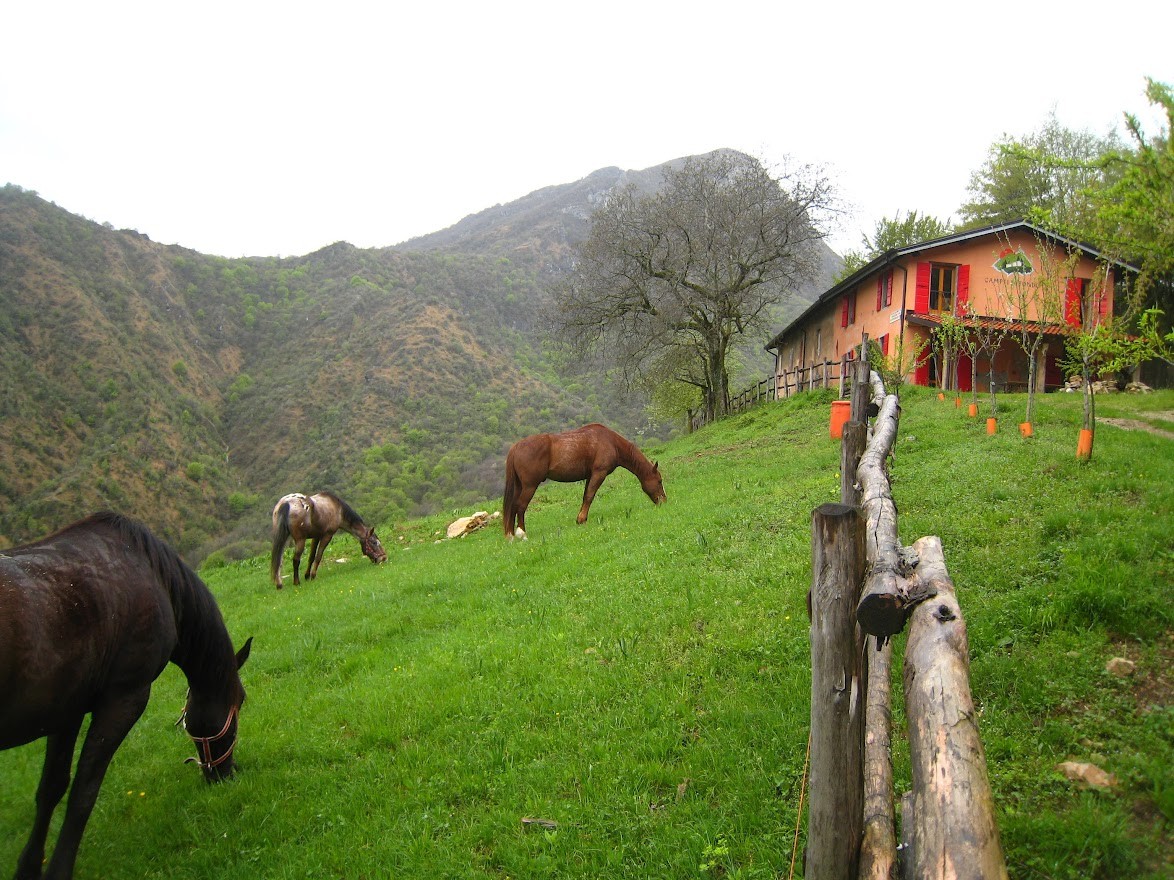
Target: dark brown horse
(316, 517)
(589, 453)
(89, 617)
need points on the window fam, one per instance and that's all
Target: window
(942, 286)
(848, 310)
(884, 291)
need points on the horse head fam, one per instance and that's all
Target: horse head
(202, 711)
(653, 485)
(372, 549)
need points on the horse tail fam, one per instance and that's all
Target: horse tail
(280, 536)
(509, 499)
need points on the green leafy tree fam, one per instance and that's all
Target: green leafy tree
(1134, 218)
(946, 342)
(891, 233)
(980, 338)
(906, 356)
(1115, 196)
(685, 272)
(1033, 303)
(1047, 177)
(1093, 349)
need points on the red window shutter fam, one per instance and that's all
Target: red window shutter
(880, 292)
(921, 374)
(921, 293)
(1104, 304)
(885, 344)
(1072, 303)
(844, 313)
(963, 289)
(889, 288)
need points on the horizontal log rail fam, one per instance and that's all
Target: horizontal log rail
(948, 820)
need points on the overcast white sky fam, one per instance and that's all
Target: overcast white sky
(276, 128)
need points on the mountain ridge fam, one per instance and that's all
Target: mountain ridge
(193, 390)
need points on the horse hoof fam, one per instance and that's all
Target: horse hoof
(520, 534)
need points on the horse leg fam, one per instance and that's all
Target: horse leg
(316, 553)
(524, 499)
(54, 783)
(593, 483)
(109, 726)
(299, 546)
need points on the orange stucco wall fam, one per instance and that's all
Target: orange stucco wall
(992, 293)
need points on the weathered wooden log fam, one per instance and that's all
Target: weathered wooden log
(878, 847)
(837, 701)
(854, 438)
(878, 389)
(860, 390)
(882, 608)
(954, 831)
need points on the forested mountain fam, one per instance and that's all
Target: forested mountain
(192, 391)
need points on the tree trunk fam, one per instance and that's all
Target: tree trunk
(954, 833)
(717, 392)
(1032, 361)
(834, 820)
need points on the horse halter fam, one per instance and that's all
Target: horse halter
(204, 743)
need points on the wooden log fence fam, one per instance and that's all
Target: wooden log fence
(948, 829)
(794, 381)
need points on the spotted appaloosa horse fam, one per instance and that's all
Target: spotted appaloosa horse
(589, 453)
(89, 618)
(316, 517)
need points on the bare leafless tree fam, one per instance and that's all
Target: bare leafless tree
(667, 281)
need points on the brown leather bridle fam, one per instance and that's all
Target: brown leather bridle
(204, 743)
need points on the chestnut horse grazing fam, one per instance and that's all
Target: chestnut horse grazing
(89, 617)
(316, 517)
(589, 453)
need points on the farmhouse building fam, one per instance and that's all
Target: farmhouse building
(996, 284)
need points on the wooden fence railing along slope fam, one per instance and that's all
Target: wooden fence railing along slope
(789, 382)
(865, 587)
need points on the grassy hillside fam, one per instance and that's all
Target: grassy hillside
(642, 682)
(192, 391)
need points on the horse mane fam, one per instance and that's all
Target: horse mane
(199, 624)
(630, 455)
(349, 516)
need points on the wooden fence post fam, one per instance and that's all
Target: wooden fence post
(835, 814)
(878, 846)
(954, 830)
(855, 438)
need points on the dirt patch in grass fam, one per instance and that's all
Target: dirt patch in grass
(1137, 425)
(1153, 685)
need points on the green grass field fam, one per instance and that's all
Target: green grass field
(641, 683)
